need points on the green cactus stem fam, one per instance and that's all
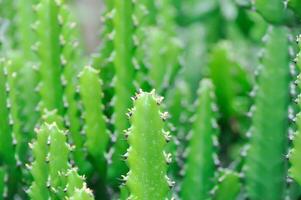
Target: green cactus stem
(201, 159)
(75, 181)
(97, 135)
(48, 48)
(7, 150)
(58, 161)
(294, 154)
(123, 86)
(71, 61)
(39, 168)
(266, 165)
(147, 161)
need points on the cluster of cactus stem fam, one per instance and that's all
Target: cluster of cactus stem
(192, 100)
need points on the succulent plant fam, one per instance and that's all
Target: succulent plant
(82, 125)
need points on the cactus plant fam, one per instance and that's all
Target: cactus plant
(64, 132)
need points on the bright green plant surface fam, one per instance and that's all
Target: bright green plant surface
(191, 99)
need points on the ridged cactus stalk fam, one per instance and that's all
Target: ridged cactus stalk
(147, 177)
(192, 100)
(200, 168)
(97, 135)
(294, 170)
(268, 145)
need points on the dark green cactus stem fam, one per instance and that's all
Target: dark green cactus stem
(221, 66)
(294, 154)
(144, 15)
(147, 161)
(104, 59)
(295, 6)
(2, 183)
(268, 10)
(7, 150)
(70, 60)
(39, 169)
(201, 159)
(82, 194)
(178, 101)
(48, 48)
(97, 135)
(124, 74)
(266, 165)
(228, 187)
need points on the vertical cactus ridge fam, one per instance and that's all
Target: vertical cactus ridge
(228, 187)
(70, 60)
(8, 142)
(201, 158)
(48, 48)
(220, 70)
(40, 168)
(24, 19)
(147, 161)
(268, 9)
(178, 101)
(97, 135)
(82, 194)
(29, 98)
(7, 150)
(58, 161)
(124, 74)
(19, 140)
(2, 183)
(294, 154)
(265, 164)
(104, 59)
(144, 15)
